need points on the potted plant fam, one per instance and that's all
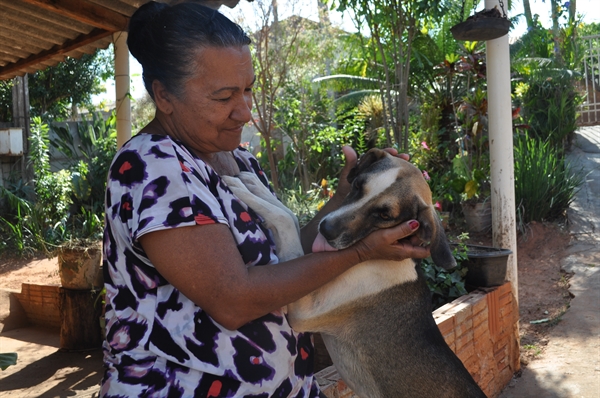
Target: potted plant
(471, 166)
(80, 257)
(486, 265)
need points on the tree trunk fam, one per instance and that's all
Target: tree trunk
(79, 319)
(556, 31)
(572, 10)
(528, 15)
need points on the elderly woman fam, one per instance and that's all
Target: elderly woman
(194, 288)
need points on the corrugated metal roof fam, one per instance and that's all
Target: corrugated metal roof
(35, 34)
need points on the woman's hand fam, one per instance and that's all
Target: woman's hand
(351, 159)
(397, 243)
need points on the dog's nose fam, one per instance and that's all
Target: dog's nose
(326, 229)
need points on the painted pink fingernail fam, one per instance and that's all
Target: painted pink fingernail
(413, 224)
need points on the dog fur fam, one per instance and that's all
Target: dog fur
(375, 318)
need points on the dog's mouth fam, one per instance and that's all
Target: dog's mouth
(322, 245)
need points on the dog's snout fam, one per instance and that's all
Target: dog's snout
(326, 229)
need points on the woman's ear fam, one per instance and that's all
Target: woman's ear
(162, 98)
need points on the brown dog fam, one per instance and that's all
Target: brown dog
(376, 318)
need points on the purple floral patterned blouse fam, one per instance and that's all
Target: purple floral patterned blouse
(158, 342)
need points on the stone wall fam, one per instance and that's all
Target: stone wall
(481, 328)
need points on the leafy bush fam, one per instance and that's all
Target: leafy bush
(550, 105)
(89, 159)
(447, 285)
(545, 183)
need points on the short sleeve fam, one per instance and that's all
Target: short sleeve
(158, 185)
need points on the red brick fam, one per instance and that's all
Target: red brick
(463, 340)
(461, 312)
(446, 324)
(450, 339)
(503, 289)
(480, 318)
(467, 354)
(464, 327)
(481, 332)
(480, 304)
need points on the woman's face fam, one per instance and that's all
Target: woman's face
(216, 101)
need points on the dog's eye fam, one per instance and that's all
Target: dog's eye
(385, 216)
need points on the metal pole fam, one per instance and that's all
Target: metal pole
(123, 103)
(504, 231)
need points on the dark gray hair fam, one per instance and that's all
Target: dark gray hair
(165, 40)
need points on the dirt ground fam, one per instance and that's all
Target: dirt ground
(543, 294)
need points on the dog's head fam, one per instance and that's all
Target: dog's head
(386, 191)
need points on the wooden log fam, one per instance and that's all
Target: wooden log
(79, 319)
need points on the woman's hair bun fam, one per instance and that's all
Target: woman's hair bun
(140, 21)
(146, 13)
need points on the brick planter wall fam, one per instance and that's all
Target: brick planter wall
(40, 303)
(481, 328)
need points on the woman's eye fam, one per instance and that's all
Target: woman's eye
(223, 99)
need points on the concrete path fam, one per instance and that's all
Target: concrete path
(570, 367)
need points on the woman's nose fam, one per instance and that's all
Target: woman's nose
(243, 110)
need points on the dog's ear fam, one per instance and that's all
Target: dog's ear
(431, 230)
(366, 160)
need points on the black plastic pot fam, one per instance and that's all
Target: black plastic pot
(486, 265)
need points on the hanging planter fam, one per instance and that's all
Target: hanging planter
(485, 25)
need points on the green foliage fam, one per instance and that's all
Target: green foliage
(54, 90)
(52, 190)
(6, 100)
(142, 112)
(304, 204)
(8, 359)
(22, 225)
(550, 104)
(68, 203)
(393, 28)
(314, 149)
(89, 156)
(537, 42)
(447, 285)
(545, 184)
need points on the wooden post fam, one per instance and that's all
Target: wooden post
(122, 94)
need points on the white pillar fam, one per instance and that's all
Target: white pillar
(122, 80)
(504, 231)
